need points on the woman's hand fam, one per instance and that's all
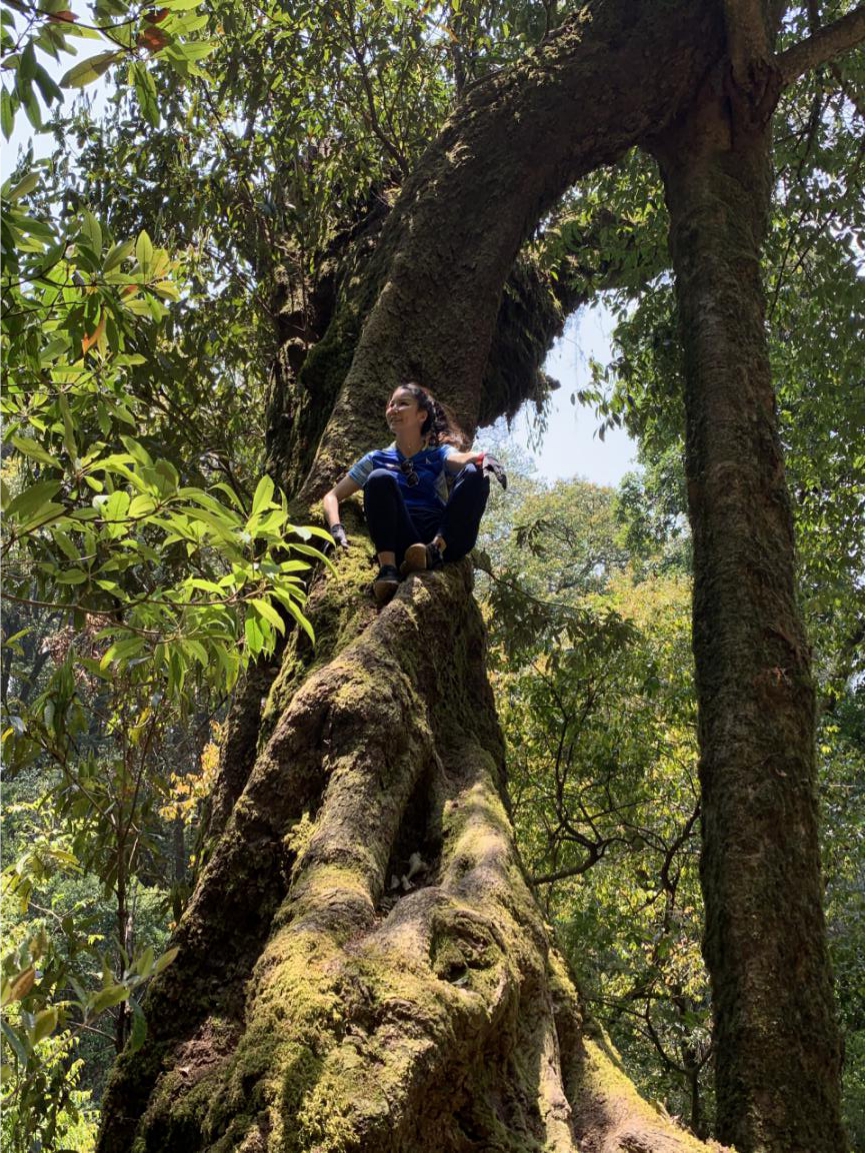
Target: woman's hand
(489, 464)
(331, 504)
(339, 534)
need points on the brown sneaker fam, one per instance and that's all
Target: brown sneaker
(414, 559)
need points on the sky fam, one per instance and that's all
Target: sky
(571, 445)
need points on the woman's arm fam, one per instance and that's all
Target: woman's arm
(331, 500)
(488, 464)
(457, 460)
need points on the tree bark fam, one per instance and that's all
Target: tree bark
(361, 967)
(424, 304)
(765, 941)
(363, 997)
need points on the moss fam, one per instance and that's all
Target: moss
(340, 608)
(310, 397)
(290, 1022)
(299, 835)
(530, 318)
(329, 884)
(608, 1093)
(347, 1100)
(345, 1021)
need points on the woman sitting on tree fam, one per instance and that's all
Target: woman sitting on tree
(412, 518)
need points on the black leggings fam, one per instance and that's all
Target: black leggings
(393, 528)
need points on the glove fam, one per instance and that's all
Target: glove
(489, 464)
(339, 534)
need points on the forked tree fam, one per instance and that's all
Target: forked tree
(316, 1005)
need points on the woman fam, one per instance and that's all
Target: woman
(412, 519)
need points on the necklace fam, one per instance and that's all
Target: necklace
(407, 452)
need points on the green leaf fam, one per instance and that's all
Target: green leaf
(16, 1041)
(166, 959)
(144, 252)
(66, 546)
(301, 619)
(229, 661)
(24, 187)
(49, 511)
(33, 498)
(47, 86)
(205, 585)
(136, 450)
(27, 64)
(7, 114)
(141, 505)
(197, 649)
(68, 428)
(253, 634)
(92, 229)
(89, 70)
(269, 613)
(145, 91)
(144, 964)
(34, 450)
(221, 526)
(264, 494)
(54, 349)
(31, 106)
(72, 576)
(117, 254)
(45, 1024)
(116, 507)
(122, 650)
(106, 999)
(221, 486)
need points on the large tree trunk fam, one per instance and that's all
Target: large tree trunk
(362, 966)
(778, 1052)
(377, 977)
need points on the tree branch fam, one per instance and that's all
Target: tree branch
(825, 45)
(748, 39)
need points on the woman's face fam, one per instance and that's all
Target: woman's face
(403, 413)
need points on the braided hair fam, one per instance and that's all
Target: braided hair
(440, 427)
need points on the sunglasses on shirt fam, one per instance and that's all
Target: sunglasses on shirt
(409, 472)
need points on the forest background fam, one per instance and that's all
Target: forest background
(152, 264)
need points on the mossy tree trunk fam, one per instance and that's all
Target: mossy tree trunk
(778, 1051)
(362, 966)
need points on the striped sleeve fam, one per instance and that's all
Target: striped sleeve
(360, 471)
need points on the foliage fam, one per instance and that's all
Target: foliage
(61, 992)
(72, 1119)
(597, 704)
(594, 686)
(141, 575)
(136, 34)
(840, 764)
(649, 514)
(526, 585)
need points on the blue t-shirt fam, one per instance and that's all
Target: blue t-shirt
(428, 465)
